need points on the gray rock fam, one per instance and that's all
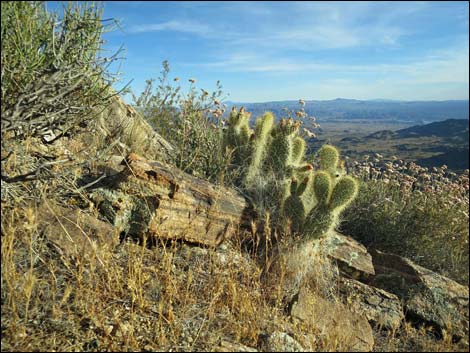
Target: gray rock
(381, 308)
(280, 342)
(428, 296)
(352, 257)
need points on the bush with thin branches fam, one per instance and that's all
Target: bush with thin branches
(53, 71)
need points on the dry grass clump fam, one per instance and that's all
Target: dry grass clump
(409, 338)
(416, 212)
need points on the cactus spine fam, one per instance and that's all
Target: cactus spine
(238, 134)
(329, 158)
(263, 129)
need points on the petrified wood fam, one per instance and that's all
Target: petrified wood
(158, 200)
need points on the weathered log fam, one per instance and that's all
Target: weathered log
(159, 200)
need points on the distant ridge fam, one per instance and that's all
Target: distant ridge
(456, 129)
(452, 146)
(373, 110)
(446, 128)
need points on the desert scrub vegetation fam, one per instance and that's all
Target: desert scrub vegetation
(70, 283)
(417, 212)
(191, 121)
(54, 73)
(55, 80)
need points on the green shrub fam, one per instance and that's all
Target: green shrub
(413, 212)
(52, 74)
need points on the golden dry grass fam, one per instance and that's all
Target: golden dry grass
(170, 297)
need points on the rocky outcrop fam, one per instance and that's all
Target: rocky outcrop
(388, 288)
(428, 297)
(381, 308)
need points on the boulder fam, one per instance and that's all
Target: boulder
(352, 257)
(428, 297)
(381, 308)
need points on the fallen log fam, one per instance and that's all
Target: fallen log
(149, 197)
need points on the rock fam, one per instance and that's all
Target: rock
(381, 308)
(121, 121)
(279, 342)
(74, 232)
(429, 297)
(333, 321)
(352, 258)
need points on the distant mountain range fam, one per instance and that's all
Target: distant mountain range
(455, 130)
(447, 141)
(369, 110)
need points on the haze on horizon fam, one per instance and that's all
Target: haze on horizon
(272, 51)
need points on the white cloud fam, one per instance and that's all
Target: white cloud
(313, 39)
(447, 65)
(176, 26)
(293, 25)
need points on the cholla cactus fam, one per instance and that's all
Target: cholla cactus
(293, 206)
(312, 205)
(282, 158)
(314, 208)
(329, 158)
(298, 150)
(316, 217)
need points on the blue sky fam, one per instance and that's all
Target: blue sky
(268, 51)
